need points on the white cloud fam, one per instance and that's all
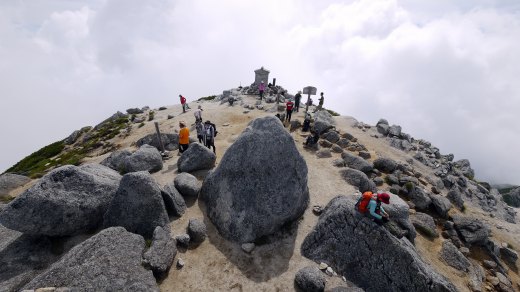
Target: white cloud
(443, 70)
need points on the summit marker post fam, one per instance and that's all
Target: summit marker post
(309, 90)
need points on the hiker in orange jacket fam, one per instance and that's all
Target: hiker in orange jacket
(184, 137)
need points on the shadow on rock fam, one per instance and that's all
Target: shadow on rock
(269, 259)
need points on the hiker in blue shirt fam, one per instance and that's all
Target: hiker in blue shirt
(376, 210)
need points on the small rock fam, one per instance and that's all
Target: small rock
(183, 240)
(364, 154)
(197, 230)
(248, 247)
(464, 250)
(170, 117)
(317, 210)
(323, 266)
(180, 263)
(329, 271)
(225, 125)
(343, 278)
(503, 279)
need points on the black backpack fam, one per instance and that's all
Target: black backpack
(214, 128)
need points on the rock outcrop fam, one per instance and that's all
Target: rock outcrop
(11, 181)
(108, 261)
(197, 157)
(146, 158)
(137, 205)
(173, 200)
(159, 257)
(170, 141)
(187, 185)
(358, 179)
(323, 121)
(357, 162)
(246, 197)
(343, 239)
(66, 201)
(472, 230)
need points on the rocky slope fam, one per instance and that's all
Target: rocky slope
(248, 219)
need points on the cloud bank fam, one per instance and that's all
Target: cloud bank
(445, 72)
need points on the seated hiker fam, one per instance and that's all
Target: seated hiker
(312, 139)
(371, 203)
(306, 123)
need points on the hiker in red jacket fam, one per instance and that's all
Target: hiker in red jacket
(289, 108)
(183, 103)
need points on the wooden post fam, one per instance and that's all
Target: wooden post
(274, 81)
(159, 136)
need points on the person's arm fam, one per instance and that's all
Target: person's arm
(372, 208)
(383, 211)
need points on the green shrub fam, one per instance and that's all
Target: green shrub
(387, 181)
(409, 186)
(333, 113)
(141, 125)
(36, 161)
(151, 115)
(211, 97)
(6, 199)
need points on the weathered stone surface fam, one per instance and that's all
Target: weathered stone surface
(386, 165)
(11, 181)
(325, 143)
(509, 255)
(464, 166)
(344, 238)
(137, 205)
(394, 130)
(471, 229)
(66, 201)
(295, 124)
(197, 231)
(197, 157)
(420, 198)
(246, 197)
(108, 261)
(173, 200)
(159, 257)
(378, 181)
(323, 121)
(338, 162)
(441, 204)
(116, 160)
(425, 224)
(310, 279)
(183, 240)
(453, 257)
(358, 179)
(512, 198)
(134, 111)
(170, 141)
(456, 198)
(364, 154)
(335, 148)
(343, 143)
(323, 153)
(331, 136)
(73, 137)
(383, 129)
(146, 158)
(187, 184)
(357, 162)
(22, 257)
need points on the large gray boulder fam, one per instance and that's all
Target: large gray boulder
(425, 224)
(472, 230)
(343, 238)
(358, 179)
(11, 181)
(441, 204)
(246, 197)
(512, 198)
(66, 201)
(331, 136)
(465, 167)
(159, 257)
(116, 160)
(310, 279)
(108, 261)
(187, 184)
(394, 130)
(173, 200)
(137, 205)
(170, 141)
(453, 257)
(197, 231)
(22, 257)
(420, 198)
(197, 157)
(323, 121)
(456, 198)
(385, 165)
(357, 162)
(146, 158)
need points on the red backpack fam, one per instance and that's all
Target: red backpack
(362, 203)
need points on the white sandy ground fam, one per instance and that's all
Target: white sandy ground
(220, 265)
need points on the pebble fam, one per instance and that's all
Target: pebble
(180, 263)
(248, 247)
(343, 278)
(329, 271)
(323, 266)
(317, 210)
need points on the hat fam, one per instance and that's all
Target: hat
(384, 197)
(299, 91)
(206, 122)
(200, 107)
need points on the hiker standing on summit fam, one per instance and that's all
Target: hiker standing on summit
(261, 88)
(209, 135)
(183, 103)
(184, 137)
(320, 104)
(198, 114)
(289, 108)
(297, 99)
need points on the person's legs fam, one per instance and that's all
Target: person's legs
(289, 114)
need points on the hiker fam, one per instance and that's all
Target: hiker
(198, 114)
(289, 108)
(183, 103)
(209, 135)
(200, 130)
(312, 140)
(297, 99)
(184, 137)
(261, 88)
(306, 122)
(320, 104)
(370, 203)
(231, 100)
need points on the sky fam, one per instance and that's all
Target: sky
(445, 71)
